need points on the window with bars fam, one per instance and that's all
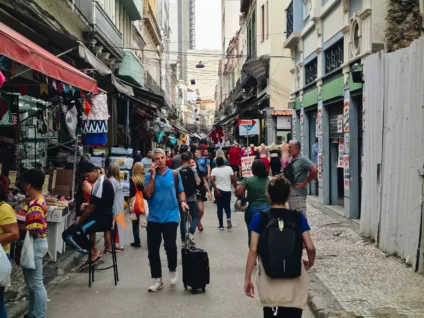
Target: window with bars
(333, 57)
(289, 20)
(311, 71)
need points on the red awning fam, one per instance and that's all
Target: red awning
(143, 113)
(19, 48)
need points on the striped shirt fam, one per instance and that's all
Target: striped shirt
(34, 217)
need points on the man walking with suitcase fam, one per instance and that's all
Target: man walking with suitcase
(191, 181)
(161, 190)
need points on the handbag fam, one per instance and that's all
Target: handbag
(27, 255)
(138, 201)
(143, 217)
(5, 268)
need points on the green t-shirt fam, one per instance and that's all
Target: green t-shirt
(256, 190)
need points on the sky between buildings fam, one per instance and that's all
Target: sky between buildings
(208, 24)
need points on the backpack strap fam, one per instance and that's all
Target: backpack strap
(176, 181)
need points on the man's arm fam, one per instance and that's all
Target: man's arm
(312, 174)
(149, 189)
(181, 194)
(87, 212)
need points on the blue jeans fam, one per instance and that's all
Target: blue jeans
(250, 213)
(194, 212)
(37, 298)
(223, 203)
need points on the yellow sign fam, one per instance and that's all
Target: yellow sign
(12, 179)
(46, 184)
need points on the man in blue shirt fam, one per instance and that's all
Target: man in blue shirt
(161, 192)
(203, 163)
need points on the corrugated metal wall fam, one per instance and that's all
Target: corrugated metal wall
(394, 137)
(373, 139)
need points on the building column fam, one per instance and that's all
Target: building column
(270, 126)
(323, 132)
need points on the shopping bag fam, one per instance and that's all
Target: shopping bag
(143, 217)
(5, 268)
(27, 254)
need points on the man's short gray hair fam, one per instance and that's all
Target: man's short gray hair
(159, 150)
(297, 143)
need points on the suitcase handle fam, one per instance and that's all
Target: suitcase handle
(187, 226)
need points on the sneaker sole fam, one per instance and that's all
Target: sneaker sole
(153, 291)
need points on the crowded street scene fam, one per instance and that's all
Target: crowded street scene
(211, 158)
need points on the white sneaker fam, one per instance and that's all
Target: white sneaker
(158, 285)
(173, 278)
(192, 241)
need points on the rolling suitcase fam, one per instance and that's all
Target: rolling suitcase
(196, 273)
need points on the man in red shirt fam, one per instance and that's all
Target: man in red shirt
(234, 156)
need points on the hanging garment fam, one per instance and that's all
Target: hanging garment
(94, 139)
(99, 109)
(94, 126)
(71, 119)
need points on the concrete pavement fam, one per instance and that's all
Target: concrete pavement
(224, 297)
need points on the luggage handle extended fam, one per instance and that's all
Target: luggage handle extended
(187, 226)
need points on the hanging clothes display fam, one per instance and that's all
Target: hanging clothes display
(95, 116)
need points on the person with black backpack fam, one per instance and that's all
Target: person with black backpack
(191, 181)
(278, 236)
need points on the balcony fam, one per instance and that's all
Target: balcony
(151, 83)
(102, 27)
(291, 35)
(131, 69)
(149, 15)
(134, 9)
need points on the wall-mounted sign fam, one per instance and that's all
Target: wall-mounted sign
(249, 126)
(340, 124)
(284, 122)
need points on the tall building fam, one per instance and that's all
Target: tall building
(230, 11)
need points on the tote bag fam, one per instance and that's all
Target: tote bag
(27, 254)
(5, 268)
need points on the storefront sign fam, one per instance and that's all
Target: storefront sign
(319, 143)
(346, 125)
(249, 127)
(246, 166)
(340, 124)
(46, 184)
(340, 162)
(284, 122)
(319, 122)
(319, 159)
(346, 172)
(346, 143)
(12, 178)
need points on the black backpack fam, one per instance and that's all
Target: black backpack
(288, 172)
(281, 249)
(188, 179)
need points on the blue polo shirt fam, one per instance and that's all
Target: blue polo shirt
(202, 162)
(163, 205)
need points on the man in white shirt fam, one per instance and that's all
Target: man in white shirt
(147, 161)
(222, 178)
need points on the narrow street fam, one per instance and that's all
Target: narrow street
(224, 297)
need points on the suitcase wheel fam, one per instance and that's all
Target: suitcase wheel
(193, 291)
(204, 290)
(185, 286)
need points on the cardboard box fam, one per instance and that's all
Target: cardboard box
(64, 190)
(63, 177)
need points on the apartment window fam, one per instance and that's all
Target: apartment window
(289, 20)
(306, 9)
(263, 22)
(333, 57)
(267, 19)
(311, 71)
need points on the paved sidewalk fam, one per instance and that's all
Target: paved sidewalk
(352, 275)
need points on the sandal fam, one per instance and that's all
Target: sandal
(84, 266)
(117, 250)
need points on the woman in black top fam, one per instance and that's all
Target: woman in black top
(137, 180)
(202, 189)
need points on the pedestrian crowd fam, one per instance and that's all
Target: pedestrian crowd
(168, 189)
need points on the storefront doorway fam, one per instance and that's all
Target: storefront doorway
(336, 153)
